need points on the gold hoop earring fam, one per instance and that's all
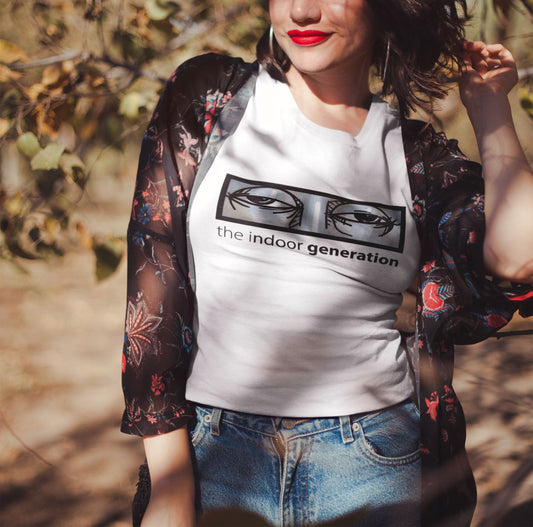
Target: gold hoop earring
(271, 41)
(386, 65)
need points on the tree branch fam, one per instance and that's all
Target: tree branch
(503, 334)
(201, 28)
(69, 54)
(86, 57)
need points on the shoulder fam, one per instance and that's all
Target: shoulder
(209, 72)
(421, 137)
(439, 155)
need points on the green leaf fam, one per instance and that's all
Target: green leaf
(28, 145)
(526, 101)
(160, 9)
(48, 158)
(131, 104)
(109, 253)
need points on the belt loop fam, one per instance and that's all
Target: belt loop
(346, 429)
(215, 421)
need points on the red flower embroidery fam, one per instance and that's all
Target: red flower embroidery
(212, 101)
(432, 405)
(433, 296)
(496, 321)
(158, 385)
(186, 152)
(140, 330)
(427, 267)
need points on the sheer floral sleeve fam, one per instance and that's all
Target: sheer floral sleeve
(158, 337)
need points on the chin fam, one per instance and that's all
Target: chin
(316, 61)
(310, 65)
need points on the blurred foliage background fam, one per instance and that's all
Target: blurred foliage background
(80, 78)
(78, 81)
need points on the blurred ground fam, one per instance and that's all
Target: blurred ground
(60, 342)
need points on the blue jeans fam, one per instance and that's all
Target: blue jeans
(361, 470)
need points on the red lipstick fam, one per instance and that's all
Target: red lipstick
(307, 38)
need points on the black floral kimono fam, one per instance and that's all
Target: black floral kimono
(457, 302)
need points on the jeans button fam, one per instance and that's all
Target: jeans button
(289, 424)
(356, 427)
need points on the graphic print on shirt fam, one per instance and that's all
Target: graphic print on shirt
(297, 210)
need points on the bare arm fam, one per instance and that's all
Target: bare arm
(488, 76)
(172, 481)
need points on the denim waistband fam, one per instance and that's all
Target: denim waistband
(291, 427)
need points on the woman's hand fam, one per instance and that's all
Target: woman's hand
(172, 481)
(489, 72)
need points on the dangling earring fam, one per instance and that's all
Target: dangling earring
(386, 65)
(271, 41)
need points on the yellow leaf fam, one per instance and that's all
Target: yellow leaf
(34, 91)
(96, 82)
(16, 205)
(10, 53)
(51, 226)
(85, 236)
(52, 75)
(5, 125)
(7, 75)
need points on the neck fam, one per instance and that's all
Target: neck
(332, 99)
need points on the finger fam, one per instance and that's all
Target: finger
(507, 58)
(480, 64)
(477, 51)
(495, 48)
(475, 45)
(499, 51)
(494, 63)
(479, 47)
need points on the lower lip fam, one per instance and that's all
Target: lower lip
(310, 40)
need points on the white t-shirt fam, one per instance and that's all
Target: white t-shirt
(303, 241)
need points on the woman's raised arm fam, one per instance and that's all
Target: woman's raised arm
(488, 76)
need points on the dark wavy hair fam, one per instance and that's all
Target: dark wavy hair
(425, 48)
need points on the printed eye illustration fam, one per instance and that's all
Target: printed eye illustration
(347, 217)
(268, 204)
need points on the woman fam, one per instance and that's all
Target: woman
(280, 211)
